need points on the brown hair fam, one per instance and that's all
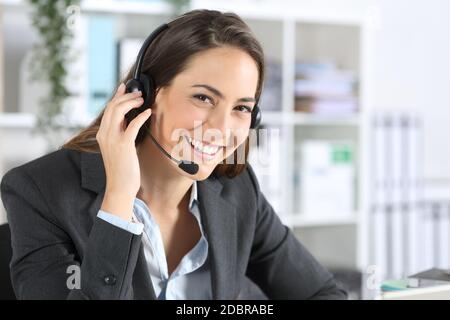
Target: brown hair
(168, 55)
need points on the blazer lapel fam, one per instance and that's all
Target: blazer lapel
(142, 283)
(219, 221)
(93, 178)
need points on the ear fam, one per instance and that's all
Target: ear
(159, 94)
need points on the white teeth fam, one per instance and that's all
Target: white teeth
(199, 146)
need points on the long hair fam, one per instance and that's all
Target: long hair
(168, 55)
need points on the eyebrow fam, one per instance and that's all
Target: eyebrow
(220, 95)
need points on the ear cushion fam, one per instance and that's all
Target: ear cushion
(148, 90)
(146, 85)
(256, 117)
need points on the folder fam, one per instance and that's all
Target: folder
(445, 236)
(415, 194)
(378, 217)
(102, 66)
(396, 194)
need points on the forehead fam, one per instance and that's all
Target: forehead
(229, 69)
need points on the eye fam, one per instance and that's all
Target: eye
(244, 109)
(203, 98)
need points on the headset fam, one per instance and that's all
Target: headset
(144, 82)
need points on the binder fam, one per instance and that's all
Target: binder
(445, 236)
(441, 235)
(404, 194)
(395, 182)
(436, 220)
(425, 248)
(102, 55)
(378, 217)
(415, 194)
(397, 222)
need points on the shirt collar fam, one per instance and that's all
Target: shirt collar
(193, 201)
(194, 195)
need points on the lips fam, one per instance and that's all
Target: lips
(204, 148)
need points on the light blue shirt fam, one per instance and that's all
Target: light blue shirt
(192, 277)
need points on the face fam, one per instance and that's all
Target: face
(205, 114)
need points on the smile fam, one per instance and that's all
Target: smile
(201, 147)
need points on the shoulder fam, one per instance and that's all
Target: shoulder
(55, 168)
(243, 187)
(46, 185)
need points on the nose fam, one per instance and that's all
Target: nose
(221, 120)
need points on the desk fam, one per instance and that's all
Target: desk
(440, 292)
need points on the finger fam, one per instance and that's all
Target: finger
(122, 109)
(113, 105)
(126, 96)
(120, 90)
(133, 128)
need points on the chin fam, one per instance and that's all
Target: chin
(204, 171)
(200, 176)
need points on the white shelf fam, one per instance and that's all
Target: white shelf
(12, 2)
(298, 220)
(17, 120)
(298, 118)
(314, 119)
(125, 7)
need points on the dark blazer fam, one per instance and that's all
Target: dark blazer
(52, 204)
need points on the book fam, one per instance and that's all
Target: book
(433, 276)
(327, 179)
(324, 89)
(427, 293)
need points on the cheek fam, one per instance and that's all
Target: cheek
(183, 114)
(240, 137)
(194, 117)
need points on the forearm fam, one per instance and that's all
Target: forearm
(330, 291)
(118, 204)
(108, 265)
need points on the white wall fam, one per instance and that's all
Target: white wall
(19, 37)
(411, 66)
(412, 71)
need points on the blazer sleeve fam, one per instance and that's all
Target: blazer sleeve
(280, 265)
(45, 262)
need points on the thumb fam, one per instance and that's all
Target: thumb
(135, 125)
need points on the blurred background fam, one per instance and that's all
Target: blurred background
(357, 98)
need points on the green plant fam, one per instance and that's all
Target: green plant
(50, 57)
(179, 6)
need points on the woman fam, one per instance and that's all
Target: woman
(109, 216)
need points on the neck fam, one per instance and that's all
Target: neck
(161, 185)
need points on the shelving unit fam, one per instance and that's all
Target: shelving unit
(301, 32)
(352, 34)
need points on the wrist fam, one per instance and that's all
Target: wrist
(118, 204)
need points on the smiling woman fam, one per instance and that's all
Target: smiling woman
(203, 54)
(136, 225)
